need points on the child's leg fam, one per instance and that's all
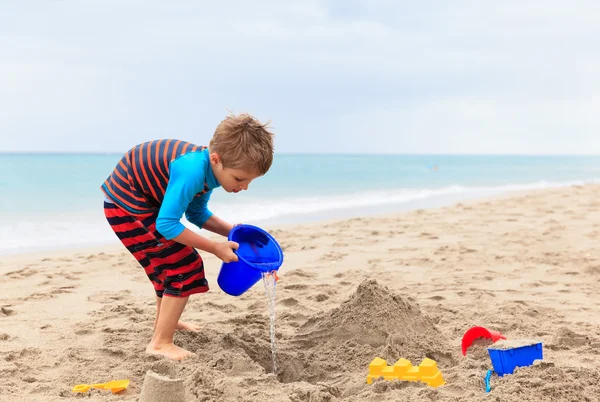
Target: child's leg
(168, 317)
(184, 326)
(175, 270)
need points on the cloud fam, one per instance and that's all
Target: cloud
(513, 76)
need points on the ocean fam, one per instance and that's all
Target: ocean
(53, 201)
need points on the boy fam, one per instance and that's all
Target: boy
(150, 189)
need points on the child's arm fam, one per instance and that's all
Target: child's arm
(199, 214)
(218, 226)
(223, 250)
(181, 191)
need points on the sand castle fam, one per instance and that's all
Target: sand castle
(161, 388)
(403, 369)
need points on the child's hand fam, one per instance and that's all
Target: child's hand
(224, 251)
(253, 237)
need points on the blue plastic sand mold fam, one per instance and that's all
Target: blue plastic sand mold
(505, 361)
(258, 253)
(488, 377)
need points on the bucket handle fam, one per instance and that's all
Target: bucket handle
(264, 269)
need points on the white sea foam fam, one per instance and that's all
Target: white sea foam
(90, 228)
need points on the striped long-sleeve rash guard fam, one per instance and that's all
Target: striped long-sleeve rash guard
(168, 177)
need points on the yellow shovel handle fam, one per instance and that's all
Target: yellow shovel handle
(81, 388)
(86, 387)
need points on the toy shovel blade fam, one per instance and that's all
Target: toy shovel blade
(116, 386)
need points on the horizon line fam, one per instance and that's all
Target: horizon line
(96, 153)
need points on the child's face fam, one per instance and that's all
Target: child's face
(232, 180)
(235, 180)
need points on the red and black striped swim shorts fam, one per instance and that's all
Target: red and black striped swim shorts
(174, 269)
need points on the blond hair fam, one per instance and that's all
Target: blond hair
(243, 142)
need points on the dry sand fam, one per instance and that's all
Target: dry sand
(514, 343)
(406, 285)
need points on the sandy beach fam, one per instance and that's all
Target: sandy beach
(395, 286)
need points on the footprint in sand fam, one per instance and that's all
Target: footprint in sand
(300, 273)
(30, 379)
(289, 302)
(321, 297)
(39, 296)
(395, 232)
(226, 308)
(69, 275)
(108, 297)
(113, 352)
(98, 257)
(308, 248)
(27, 353)
(293, 319)
(333, 256)
(593, 270)
(22, 273)
(51, 294)
(82, 355)
(4, 337)
(257, 305)
(296, 286)
(64, 289)
(110, 330)
(401, 249)
(6, 312)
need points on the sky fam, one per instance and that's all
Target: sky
(336, 76)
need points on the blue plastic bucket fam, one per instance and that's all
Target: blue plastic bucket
(506, 361)
(258, 253)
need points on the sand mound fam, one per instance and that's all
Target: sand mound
(545, 382)
(479, 349)
(568, 339)
(372, 322)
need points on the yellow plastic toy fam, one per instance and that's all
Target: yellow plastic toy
(113, 386)
(426, 372)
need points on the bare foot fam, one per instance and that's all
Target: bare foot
(169, 350)
(186, 326)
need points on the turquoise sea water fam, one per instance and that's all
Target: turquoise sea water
(54, 200)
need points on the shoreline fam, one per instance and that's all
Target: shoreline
(85, 229)
(373, 212)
